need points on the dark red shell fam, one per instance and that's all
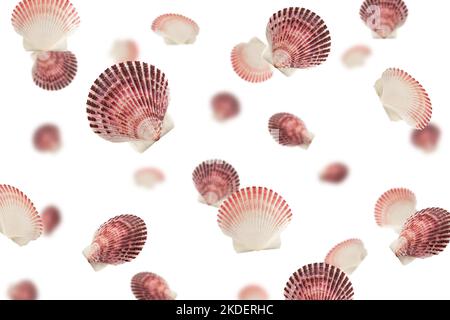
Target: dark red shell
(23, 290)
(225, 106)
(289, 130)
(426, 139)
(334, 173)
(51, 218)
(54, 70)
(47, 138)
(384, 16)
(150, 286)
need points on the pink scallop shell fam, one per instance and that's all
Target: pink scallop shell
(248, 63)
(215, 180)
(176, 28)
(334, 173)
(254, 218)
(319, 281)
(253, 292)
(149, 177)
(150, 286)
(289, 130)
(225, 106)
(426, 139)
(347, 255)
(383, 17)
(51, 218)
(356, 56)
(47, 138)
(19, 219)
(117, 241)
(425, 234)
(128, 102)
(45, 24)
(298, 38)
(54, 70)
(404, 98)
(23, 290)
(394, 207)
(125, 50)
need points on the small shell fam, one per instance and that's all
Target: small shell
(384, 17)
(426, 139)
(19, 220)
(334, 173)
(394, 207)
(148, 177)
(248, 62)
(215, 180)
(425, 234)
(298, 38)
(23, 290)
(51, 218)
(254, 218)
(176, 29)
(319, 281)
(128, 102)
(356, 56)
(225, 106)
(54, 70)
(347, 255)
(117, 241)
(125, 50)
(253, 292)
(47, 138)
(45, 24)
(150, 286)
(289, 130)
(404, 98)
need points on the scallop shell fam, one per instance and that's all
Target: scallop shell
(254, 218)
(176, 28)
(125, 50)
(215, 180)
(225, 106)
(148, 177)
(45, 24)
(51, 218)
(384, 17)
(150, 286)
(394, 207)
(47, 138)
(319, 281)
(425, 234)
(289, 130)
(298, 38)
(117, 241)
(356, 56)
(347, 255)
(128, 102)
(426, 139)
(248, 62)
(334, 173)
(54, 70)
(253, 292)
(404, 98)
(19, 220)
(23, 290)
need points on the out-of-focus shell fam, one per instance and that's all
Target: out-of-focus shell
(23, 290)
(47, 138)
(426, 139)
(334, 173)
(51, 218)
(253, 292)
(125, 50)
(225, 106)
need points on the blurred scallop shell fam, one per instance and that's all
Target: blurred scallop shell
(51, 218)
(225, 106)
(384, 17)
(125, 50)
(356, 56)
(426, 139)
(23, 290)
(253, 292)
(176, 28)
(54, 70)
(150, 286)
(148, 177)
(347, 255)
(47, 138)
(289, 130)
(334, 173)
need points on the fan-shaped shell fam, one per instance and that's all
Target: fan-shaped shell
(225, 106)
(45, 24)
(23, 290)
(150, 286)
(356, 56)
(426, 139)
(148, 177)
(19, 219)
(125, 50)
(425, 234)
(128, 102)
(51, 218)
(404, 98)
(176, 28)
(334, 173)
(215, 180)
(383, 17)
(289, 130)
(248, 62)
(117, 241)
(298, 38)
(47, 138)
(54, 70)
(394, 207)
(254, 218)
(319, 281)
(347, 255)
(253, 292)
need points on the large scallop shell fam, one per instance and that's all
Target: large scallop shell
(289, 130)
(425, 234)
(254, 218)
(128, 102)
(394, 207)
(248, 62)
(117, 241)
(426, 139)
(150, 286)
(298, 38)
(176, 28)
(45, 24)
(23, 290)
(347, 255)
(54, 70)
(253, 292)
(215, 180)
(404, 98)
(383, 17)
(319, 281)
(19, 219)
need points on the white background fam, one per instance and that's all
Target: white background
(91, 179)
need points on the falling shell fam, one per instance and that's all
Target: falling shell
(225, 106)
(253, 292)
(347, 255)
(47, 138)
(176, 28)
(150, 286)
(289, 130)
(125, 50)
(148, 177)
(23, 290)
(356, 56)
(54, 70)
(334, 173)
(51, 218)
(426, 139)
(254, 218)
